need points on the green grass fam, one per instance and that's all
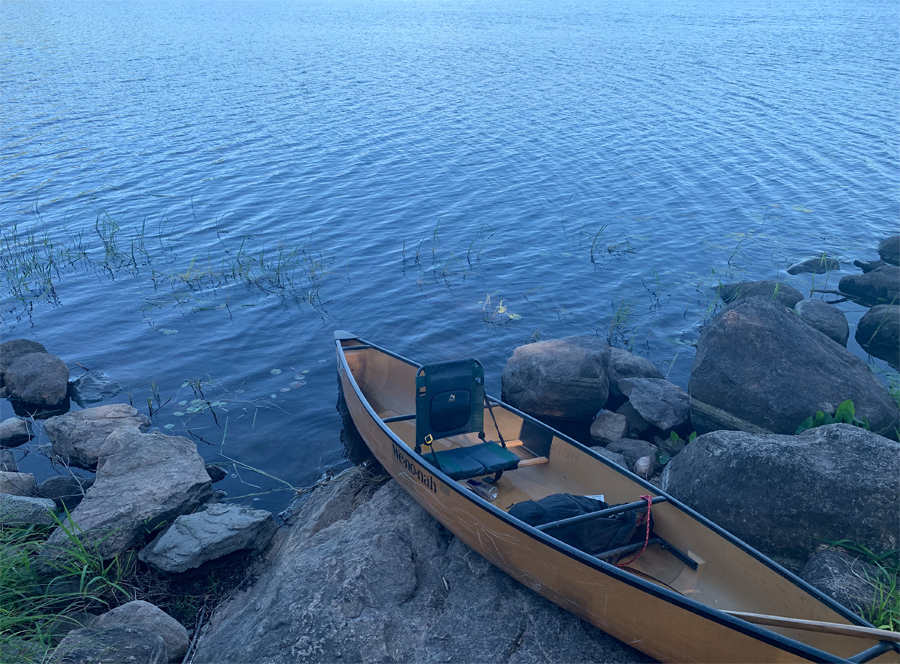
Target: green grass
(885, 611)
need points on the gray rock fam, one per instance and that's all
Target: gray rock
(773, 291)
(669, 445)
(40, 379)
(645, 466)
(846, 579)
(350, 581)
(889, 250)
(197, 538)
(760, 368)
(147, 616)
(12, 350)
(868, 266)
(15, 432)
(637, 426)
(92, 387)
(615, 457)
(786, 494)
(826, 318)
(880, 286)
(24, 510)
(633, 449)
(65, 490)
(78, 436)
(144, 481)
(878, 333)
(819, 265)
(623, 364)
(8, 462)
(113, 645)
(18, 484)
(216, 473)
(661, 403)
(608, 426)
(565, 378)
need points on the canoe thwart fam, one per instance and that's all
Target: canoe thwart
(618, 509)
(663, 544)
(399, 418)
(357, 347)
(817, 626)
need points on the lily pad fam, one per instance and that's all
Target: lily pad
(169, 426)
(178, 413)
(275, 372)
(167, 331)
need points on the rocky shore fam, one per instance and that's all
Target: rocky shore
(783, 437)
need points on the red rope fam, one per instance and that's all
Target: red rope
(649, 500)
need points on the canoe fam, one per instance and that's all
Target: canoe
(694, 594)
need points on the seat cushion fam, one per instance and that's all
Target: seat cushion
(456, 463)
(493, 457)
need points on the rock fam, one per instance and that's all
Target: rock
(565, 378)
(15, 432)
(645, 466)
(608, 426)
(623, 364)
(113, 645)
(39, 379)
(826, 318)
(147, 616)
(60, 626)
(77, 437)
(633, 449)
(215, 472)
(25, 510)
(819, 265)
(8, 462)
(880, 286)
(10, 351)
(786, 494)
(669, 445)
(197, 538)
(92, 387)
(878, 333)
(350, 581)
(868, 266)
(661, 403)
(637, 426)
(773, 291)
(144, 481)
(18, 484)
(889, 250)
(65, 490)
(615, 457)
(760, 368)
(844, 578)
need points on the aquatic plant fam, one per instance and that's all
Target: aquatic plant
(845, 414)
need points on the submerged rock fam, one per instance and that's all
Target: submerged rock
(565, 378)
(65, 490)
(77, 437)
(773, 291)
(92, 387)
(880, 286)
(826, 318)
(785, 495)
(203, 536)
(39, 379)
(819, 265)
(760, 368)
(365, 574)
(151, 618)
(868, 266)
(878, 333)
(889, 250)
(15, 432)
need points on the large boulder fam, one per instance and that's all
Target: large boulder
(144, 481)
(112, 645)
(878, 333)
(203, 536)
(26, 511)
(846, 579)
(889, 250)
(350, 581)
(564, 378)
(880, 286)
(773, 291)
(826, 318)
(661, 403)
(819, 265)
(15, 432)
(760, 368)
(78, 436)
(785, 495)
(12, 350)
(147, 616)
(623, 364)
(39, 379)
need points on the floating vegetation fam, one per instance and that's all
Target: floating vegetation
(498, 314)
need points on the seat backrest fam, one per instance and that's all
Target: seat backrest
(449, 399)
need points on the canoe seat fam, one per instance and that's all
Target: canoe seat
(462, 463)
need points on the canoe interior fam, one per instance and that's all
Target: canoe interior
(729, 576)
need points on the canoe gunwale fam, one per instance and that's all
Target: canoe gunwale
(773, 638)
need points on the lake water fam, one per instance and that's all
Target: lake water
(196, 194)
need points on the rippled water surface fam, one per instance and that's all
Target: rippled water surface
(195, 195)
